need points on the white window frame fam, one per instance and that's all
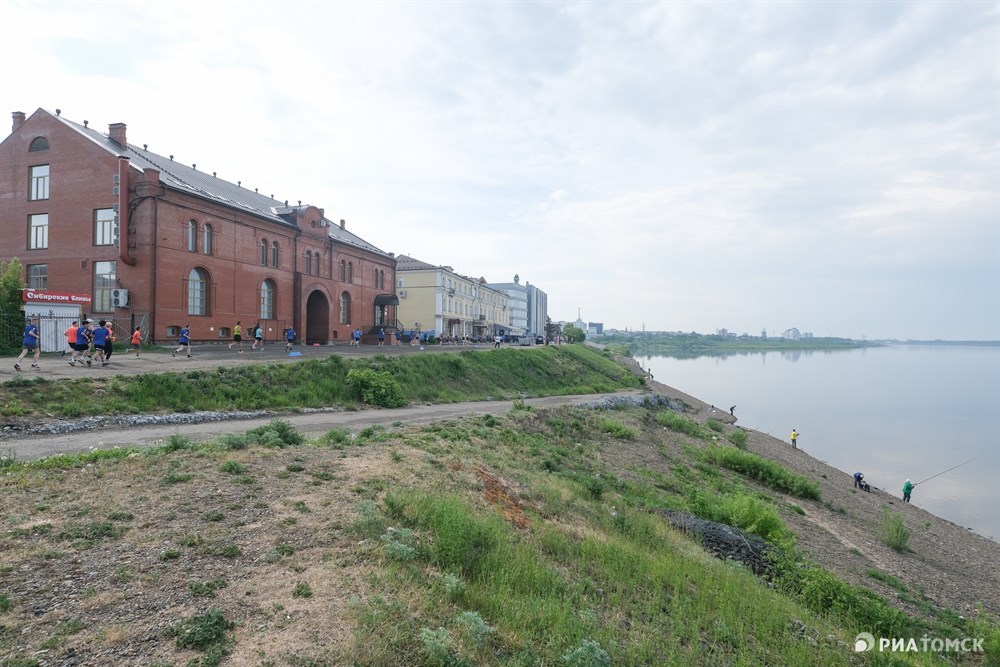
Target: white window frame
(105, 226)
(38, 183)
(38, 231)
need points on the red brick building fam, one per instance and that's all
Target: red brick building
(159, 244)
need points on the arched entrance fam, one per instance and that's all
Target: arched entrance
(317, 318)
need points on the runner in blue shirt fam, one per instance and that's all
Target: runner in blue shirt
(30, 343)
(100, 337)
(289, 338)
(83, 336)
(184, 341)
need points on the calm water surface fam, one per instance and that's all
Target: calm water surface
(890, 412)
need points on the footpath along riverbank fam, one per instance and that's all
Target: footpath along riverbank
(955, 568)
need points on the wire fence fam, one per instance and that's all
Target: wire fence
(52, 329)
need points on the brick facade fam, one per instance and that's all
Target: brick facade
(174, 220)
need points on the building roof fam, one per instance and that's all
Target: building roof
(204, 185)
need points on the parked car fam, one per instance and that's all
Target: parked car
(539, 340)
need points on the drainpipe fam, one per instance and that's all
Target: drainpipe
(156, 245)
(124, 232)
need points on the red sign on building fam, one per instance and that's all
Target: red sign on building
(39, 296)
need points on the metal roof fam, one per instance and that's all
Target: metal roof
(189, 180)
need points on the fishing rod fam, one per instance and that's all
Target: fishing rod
(948, 470)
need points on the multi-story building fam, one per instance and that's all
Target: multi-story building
(437, 301)
(538, 310)
(143, 240)
(528, 305)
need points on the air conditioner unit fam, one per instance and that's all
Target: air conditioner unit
(119, 298)
(402, 294)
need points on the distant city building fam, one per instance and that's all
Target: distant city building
(518, 304)
(434, 299)
(595, 328)
(529, 307)
(791, 334)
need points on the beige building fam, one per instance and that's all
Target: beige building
(437, 301)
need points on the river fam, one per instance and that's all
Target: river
(893, 413)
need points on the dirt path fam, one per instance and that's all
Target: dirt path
(310, 425)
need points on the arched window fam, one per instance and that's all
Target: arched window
(309, 262)
(350, 272)
(198, 292)
(191, 236)
(206, 239)
(381, 279)
(263, 252)
(274, 254)
(316, 263)
(267, 293)
(345, 308)
(343, 271)
(375, 280)
(38, 144)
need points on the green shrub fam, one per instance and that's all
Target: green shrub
(232, 467)
(277, 433)
(474, 627)
(675, 422)
(738, 438)
(375, 388)
(587, 654)
(894, 533)
(202, 631)
(302, 590)
(178, 442)
(5, 603)
(764, 471)
(437, 645)
(714, 425)
(206, 589)
(616, 429)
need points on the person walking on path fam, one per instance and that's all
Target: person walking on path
(496, 341)
(70, 334)
(356, 337)
(381, 337)
(258, 338)
(237, 336)
(289, 339)
(30, 343)
(137, 341)
(795, 439)
(184, 341)
(907, 489)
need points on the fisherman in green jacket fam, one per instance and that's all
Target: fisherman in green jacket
(907, 488)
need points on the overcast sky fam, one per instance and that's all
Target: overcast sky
(679, 166)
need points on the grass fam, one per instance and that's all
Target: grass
(312, 383)
(762, 470)
(529, 538)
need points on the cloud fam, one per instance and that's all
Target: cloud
(690, 165)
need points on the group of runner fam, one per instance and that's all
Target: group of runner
(88, 342)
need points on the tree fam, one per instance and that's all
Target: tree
(551, 330)
(574, 334)
(11, 284)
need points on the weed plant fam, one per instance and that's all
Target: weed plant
(676, 422)
(766, 472)
(894, 533)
